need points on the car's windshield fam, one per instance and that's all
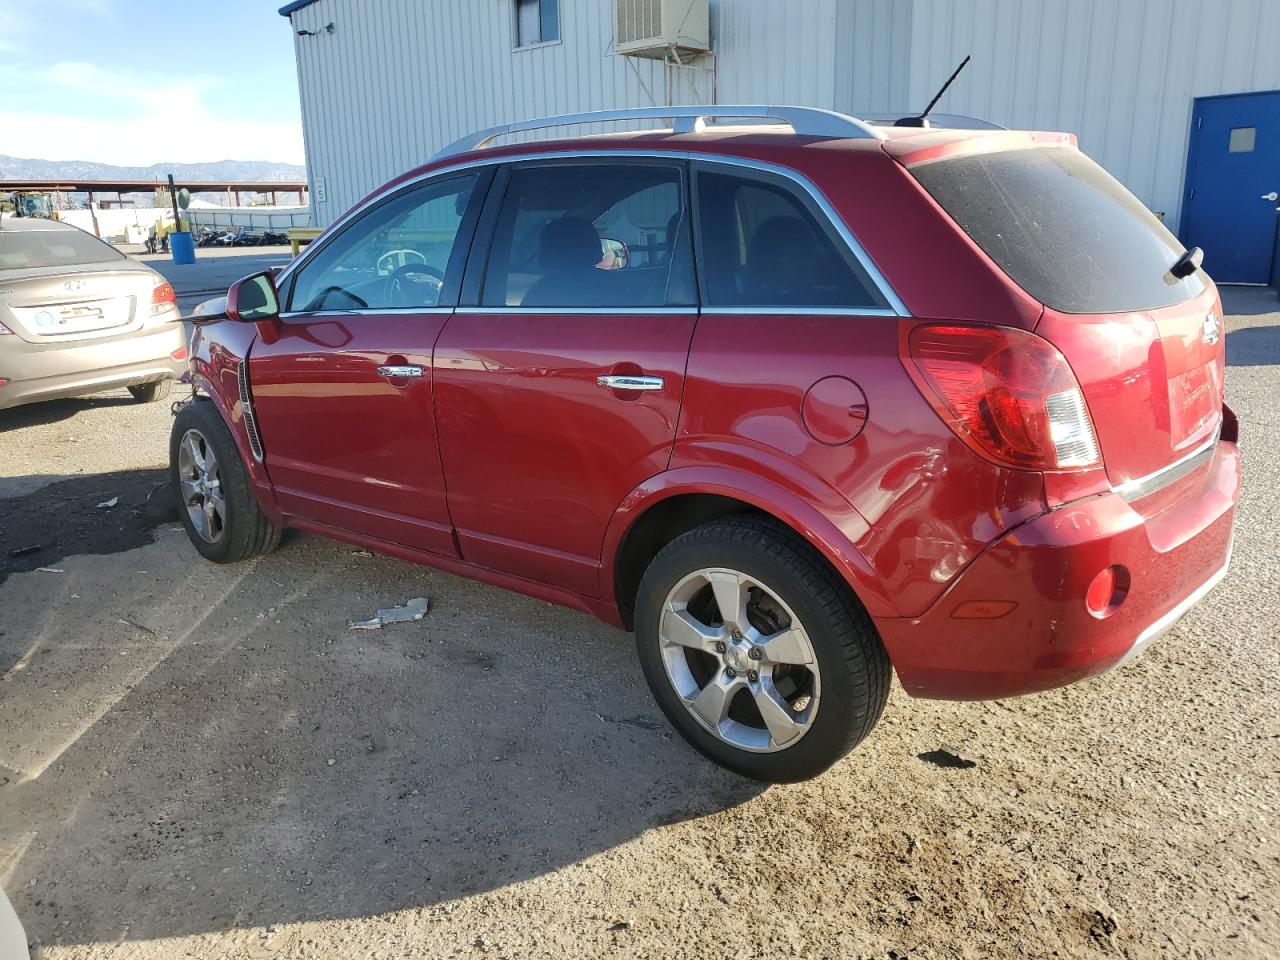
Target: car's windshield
(1062, 228)
(20, 249)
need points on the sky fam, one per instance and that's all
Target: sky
(137, 82)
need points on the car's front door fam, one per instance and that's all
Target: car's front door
(558, 389)
(343, 391)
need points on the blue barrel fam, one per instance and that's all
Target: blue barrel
(182, 247)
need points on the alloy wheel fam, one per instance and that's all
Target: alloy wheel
(201, 486)
(740, 660)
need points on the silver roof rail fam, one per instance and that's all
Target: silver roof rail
(804, 121)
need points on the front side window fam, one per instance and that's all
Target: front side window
(537, 21)
(762, 245)
(607, 235)
(395, 256)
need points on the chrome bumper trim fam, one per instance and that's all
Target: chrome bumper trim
(1139, 487)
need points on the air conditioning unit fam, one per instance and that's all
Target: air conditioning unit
(659, 28)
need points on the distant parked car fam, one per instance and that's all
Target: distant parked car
(77, 316)
(846, 397)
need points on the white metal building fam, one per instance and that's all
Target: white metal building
(386, 83)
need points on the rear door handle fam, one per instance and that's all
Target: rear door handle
(629, 382)
(400, 371)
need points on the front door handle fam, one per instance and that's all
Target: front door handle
(1272, 196)
(400, 371)
(629, 382)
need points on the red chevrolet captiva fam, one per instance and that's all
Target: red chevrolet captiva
(795, 401)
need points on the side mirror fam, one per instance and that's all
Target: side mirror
(614, 254)
(253, 299)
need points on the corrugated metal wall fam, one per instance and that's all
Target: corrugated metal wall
(1121, 74)
(397, 79)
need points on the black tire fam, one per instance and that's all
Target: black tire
(152, 392)
(850, 658)
(245, 531)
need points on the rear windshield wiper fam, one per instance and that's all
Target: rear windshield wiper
(1188, 263)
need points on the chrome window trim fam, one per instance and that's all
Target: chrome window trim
(363, 311)
(621, 311)
(1140, 487)
(786, 311)
(896, 306)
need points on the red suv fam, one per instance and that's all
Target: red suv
(794, 403)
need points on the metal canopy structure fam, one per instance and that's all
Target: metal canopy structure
(147, 186)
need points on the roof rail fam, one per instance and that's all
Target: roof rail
(804, 121)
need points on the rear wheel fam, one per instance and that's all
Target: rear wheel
(217, 506)
(759, 655)
(151, 392)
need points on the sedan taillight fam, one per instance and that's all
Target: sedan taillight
(1008, 394)
(163, 298)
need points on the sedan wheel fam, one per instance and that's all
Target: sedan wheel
(201, 485)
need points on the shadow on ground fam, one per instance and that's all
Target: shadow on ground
(261, 763)
(54, 411)
(1253, 346)
(64, 518)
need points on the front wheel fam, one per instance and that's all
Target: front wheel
(217, 506)
(756, 651)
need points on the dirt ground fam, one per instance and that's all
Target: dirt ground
(205, 762)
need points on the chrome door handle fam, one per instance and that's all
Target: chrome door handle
(629, 382)
(400, 372)
(1272, 196)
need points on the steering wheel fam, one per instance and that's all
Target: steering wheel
(415, 285)
(393, 260)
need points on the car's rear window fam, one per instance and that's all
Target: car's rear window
(20, 249)
(1062, 228)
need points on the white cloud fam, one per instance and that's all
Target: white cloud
(133, 119)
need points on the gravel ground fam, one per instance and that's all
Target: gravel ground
(204, 762)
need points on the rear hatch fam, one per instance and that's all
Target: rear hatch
(65, 285)
(1147, 348)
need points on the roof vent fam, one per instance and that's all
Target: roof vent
(659, 29)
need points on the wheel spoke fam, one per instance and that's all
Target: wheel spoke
(210, 516)
(681, 627)
(218, 506)
(195, 455)
(189, 491)
(777, 714)
(712, 704)
(731, 597)
(788, 646)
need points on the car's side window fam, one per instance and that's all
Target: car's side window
(763, 244)
(394, 256)
(593, 234)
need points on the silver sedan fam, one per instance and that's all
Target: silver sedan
(77, 316)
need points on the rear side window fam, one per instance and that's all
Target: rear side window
(1062, 228)
(601, 234)
(762, 245)
(52, 248)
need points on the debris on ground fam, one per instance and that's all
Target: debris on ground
(1103, 927)
(108, 504)
(26, 551)
(363, 554)
(49, 570)
(948, 757)
(644, 723)
(414, 609)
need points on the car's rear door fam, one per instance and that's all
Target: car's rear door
(559, 379)
(343, 391)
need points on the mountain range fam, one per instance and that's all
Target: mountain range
(18, 168)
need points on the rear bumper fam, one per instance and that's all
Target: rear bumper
(1173, 558)
(52, 371)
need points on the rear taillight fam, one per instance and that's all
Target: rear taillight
(1008, 394)
(163, 298)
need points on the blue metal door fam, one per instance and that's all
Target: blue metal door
(1233, 185)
